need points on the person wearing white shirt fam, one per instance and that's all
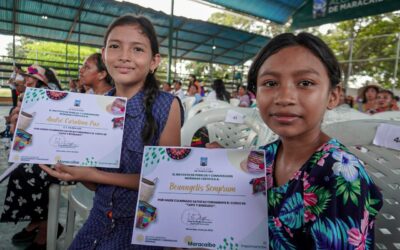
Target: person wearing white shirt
(178, 91)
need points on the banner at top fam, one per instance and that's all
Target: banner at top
(318, 12)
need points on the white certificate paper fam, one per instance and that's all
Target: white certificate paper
(388, 136)
(70, 128)
(202, 198)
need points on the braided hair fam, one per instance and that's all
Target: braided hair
(151, 85)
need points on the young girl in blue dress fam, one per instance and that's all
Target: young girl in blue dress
(319, 194)
(153, 117)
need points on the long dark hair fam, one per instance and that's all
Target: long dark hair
(314, 44)
(52, 78)
(151, 85)
(98, 60)
(221, 93)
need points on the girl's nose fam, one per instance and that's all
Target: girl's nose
(125, 55)
(285, 95)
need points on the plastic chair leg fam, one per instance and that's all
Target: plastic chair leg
(70, 225)
(52, 219)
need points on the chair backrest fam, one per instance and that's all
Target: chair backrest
(388, 115)
(188, 103)
(234, 101)
(252, 132)
(206, 105)
(383, 164)
(343, 113)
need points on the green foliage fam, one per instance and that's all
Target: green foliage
(57, 52)
(366, 50)
(51, 54)
(230, 20)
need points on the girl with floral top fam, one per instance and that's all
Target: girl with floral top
(319, 194)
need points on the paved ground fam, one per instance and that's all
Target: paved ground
(7, 230)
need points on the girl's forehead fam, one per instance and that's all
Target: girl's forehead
(89, 61)
(128, 32)
(293, 59)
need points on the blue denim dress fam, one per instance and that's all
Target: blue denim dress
(111, 220)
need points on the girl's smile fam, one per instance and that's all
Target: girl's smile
(285, 118)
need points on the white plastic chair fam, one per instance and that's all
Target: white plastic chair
(187, 104)
(388, 115)
(52, 216)
(80, 200)
(343, 113)
(206, 105)
(383, 164)
(234, 101)
(2, 124)
(253, 132)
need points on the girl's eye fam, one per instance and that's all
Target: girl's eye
(137, 49)
(306, 83)
(113, 46)
(270, 83)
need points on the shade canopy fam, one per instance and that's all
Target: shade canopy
(278, 11)
(307, 13)
(85, 21)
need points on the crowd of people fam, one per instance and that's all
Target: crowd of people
(305, 167)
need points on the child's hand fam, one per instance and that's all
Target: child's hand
(213, 144)
(68, 173)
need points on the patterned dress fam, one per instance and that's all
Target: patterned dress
(330, 203)
(111, 220)
(27, 195)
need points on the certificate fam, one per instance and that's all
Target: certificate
(70, 128)
(202, 198)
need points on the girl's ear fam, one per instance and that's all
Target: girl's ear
(155, 62)
(102, 75)
(103, 52)
(334, 97)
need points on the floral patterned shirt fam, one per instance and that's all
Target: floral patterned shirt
(330, 203)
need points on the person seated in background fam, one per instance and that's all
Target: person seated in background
(73, 85)
(193, 92)
(19, 85)
(17, 71)
(193, 81)
(243, 96)
(385, 101)
(367, 103)
(36, 77)
(178, 91)
(218, 92)
(167, 87)
(94, 75)
(349, 100)
(52, 80)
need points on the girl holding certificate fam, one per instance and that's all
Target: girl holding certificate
(153, 117)
(319, 194)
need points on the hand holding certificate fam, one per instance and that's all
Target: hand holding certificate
(210, 197)
(61, 127)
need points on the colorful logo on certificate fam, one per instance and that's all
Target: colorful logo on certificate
(77, 103)
(203, 161)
